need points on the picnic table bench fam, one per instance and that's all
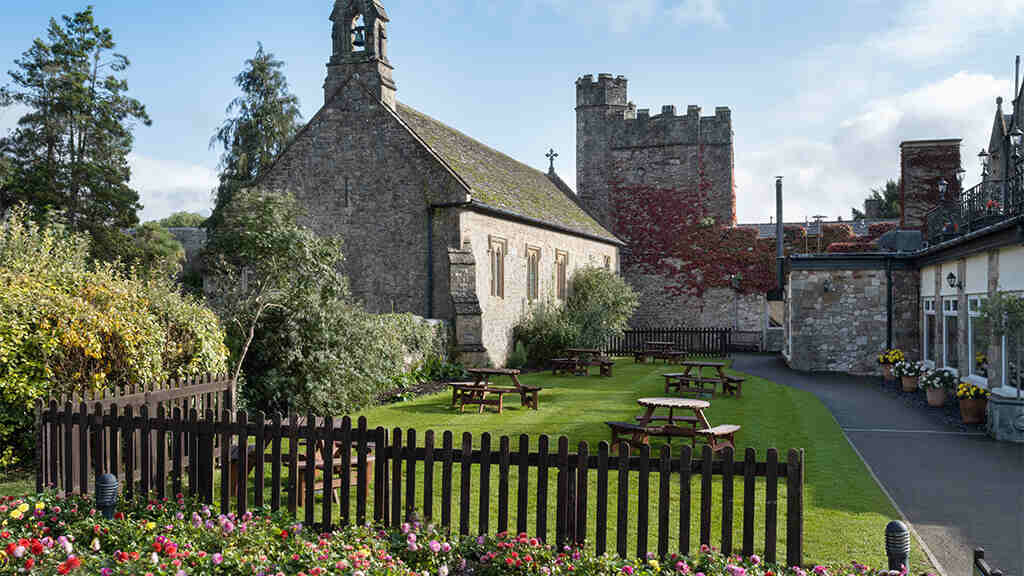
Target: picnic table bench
(481, 392)
(657, 350)
(579, 360)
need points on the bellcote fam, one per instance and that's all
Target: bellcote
(359, 47)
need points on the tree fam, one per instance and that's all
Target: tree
(183, 220)
(889, 196)
(259, 125)
(600, 305)
(155, 251)
(295, 333)
(69, 153)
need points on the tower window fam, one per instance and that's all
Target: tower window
(358, 34)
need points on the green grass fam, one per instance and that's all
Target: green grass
(845, 510)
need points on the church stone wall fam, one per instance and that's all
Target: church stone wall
(716, 308)
(360, 175)
(501, 314)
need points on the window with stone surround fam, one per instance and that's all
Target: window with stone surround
(497, 248)
(950, 333)
(532, 273)
(561, 270)
(930, 348)
(978, 338)
(608, 263)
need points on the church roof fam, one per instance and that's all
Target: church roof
(500, 182)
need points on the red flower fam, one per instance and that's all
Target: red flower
(36, 547)
(30, 563)
(284, 534)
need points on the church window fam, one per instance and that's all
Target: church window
(497, 249)
(608, 263)
(561, 271)
(532, 273)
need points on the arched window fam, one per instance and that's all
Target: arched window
(358, 34)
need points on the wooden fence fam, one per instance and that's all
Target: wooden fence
(65, 450)
(707, 342)
(594, 494)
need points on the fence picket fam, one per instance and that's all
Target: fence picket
(446, 479)
(503, 465)
(622, 512)
(362, 470)
(562, 499)
(705, 496)
(410, 474)
(345, 501)
(542, 488)
(309, 478)
(727, 494)
(258, 451)
(582, 485)
(685, 462)
(484, 504)
(328, 457)
(275, 462)
(749, 462)
(380, 482)
(428, 476)
(664, 481)
(794, 507)
(601, 529)
(396, 477)
(643, 501)
(145, 466)
(83, 447)
(241, 463)
(464, 477)
(176, 448)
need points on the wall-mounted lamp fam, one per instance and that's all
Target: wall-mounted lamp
(953, 283)
(827, 285)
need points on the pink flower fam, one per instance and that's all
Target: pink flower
(628, 569)
(217, 558)
(435, 546)
(682, 567)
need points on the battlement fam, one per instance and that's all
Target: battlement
(605, 91)
(670, 128)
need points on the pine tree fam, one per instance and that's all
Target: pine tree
(69, 152)
(259, 125)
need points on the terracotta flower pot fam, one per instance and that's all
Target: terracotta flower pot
(972, 410)
(887, 372)
(910, 383)
(936, 396)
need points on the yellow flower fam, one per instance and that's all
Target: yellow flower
(40, 505)
(150, 525)
(16, 514)
(23, 508)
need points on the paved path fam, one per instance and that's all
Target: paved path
(959, 490)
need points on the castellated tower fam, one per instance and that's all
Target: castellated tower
(615, 142)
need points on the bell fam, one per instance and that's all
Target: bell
(359, 38)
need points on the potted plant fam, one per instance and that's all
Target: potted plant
(973, 401)
(909, 373)
(888, 359)
(935, 382)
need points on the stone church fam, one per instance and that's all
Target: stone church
(434, 222)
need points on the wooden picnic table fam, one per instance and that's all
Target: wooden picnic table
(686, 381)
(657, 349)
(482, 392)
(697, 425)
(579, 360)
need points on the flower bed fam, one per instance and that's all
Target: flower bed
(48, 534)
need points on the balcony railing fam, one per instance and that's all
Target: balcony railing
(988, 203)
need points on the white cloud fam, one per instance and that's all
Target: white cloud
(928, 29)
(831, 175)
(698, 11)
(166, 186)
(624, 15)
(9, 118)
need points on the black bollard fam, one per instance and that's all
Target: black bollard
(897, 545)
(106, 494)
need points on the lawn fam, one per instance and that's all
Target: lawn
(845, 510)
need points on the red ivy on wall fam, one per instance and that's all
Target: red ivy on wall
(671, 234)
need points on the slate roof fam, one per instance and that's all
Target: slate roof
(500, 182)
(860, 227)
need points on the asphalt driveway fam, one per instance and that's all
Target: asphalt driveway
(959, 489)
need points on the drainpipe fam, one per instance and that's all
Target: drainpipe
(888, 303)
(779, 230)
(430, 262)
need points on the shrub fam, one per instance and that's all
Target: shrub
(938, 378)
(546, 332)
(600, 306)
(519, 356)
(68, 326)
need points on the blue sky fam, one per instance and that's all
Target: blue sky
(821, 92)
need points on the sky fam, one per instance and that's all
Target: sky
(821, 93)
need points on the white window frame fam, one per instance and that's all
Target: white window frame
(952, 310)
(929, 310)
(973, 311)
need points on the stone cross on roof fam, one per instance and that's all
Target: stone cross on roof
(551, 155)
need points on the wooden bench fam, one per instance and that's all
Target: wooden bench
(604, 364)
(733, 385)
(563, 366)
(639, 434)
(658, 351)
(464, 393)
(720, 437)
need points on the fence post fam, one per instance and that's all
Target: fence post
(795, 508)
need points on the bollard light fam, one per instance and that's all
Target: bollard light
(897, 545)
(106, 494)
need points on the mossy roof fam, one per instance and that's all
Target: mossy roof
(498, 181)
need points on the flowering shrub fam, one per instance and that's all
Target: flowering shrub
(908, 369)
(48, 534)
(938, 378)
(891, 356)
(971, 391)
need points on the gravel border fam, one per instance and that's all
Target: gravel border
(948, 414)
